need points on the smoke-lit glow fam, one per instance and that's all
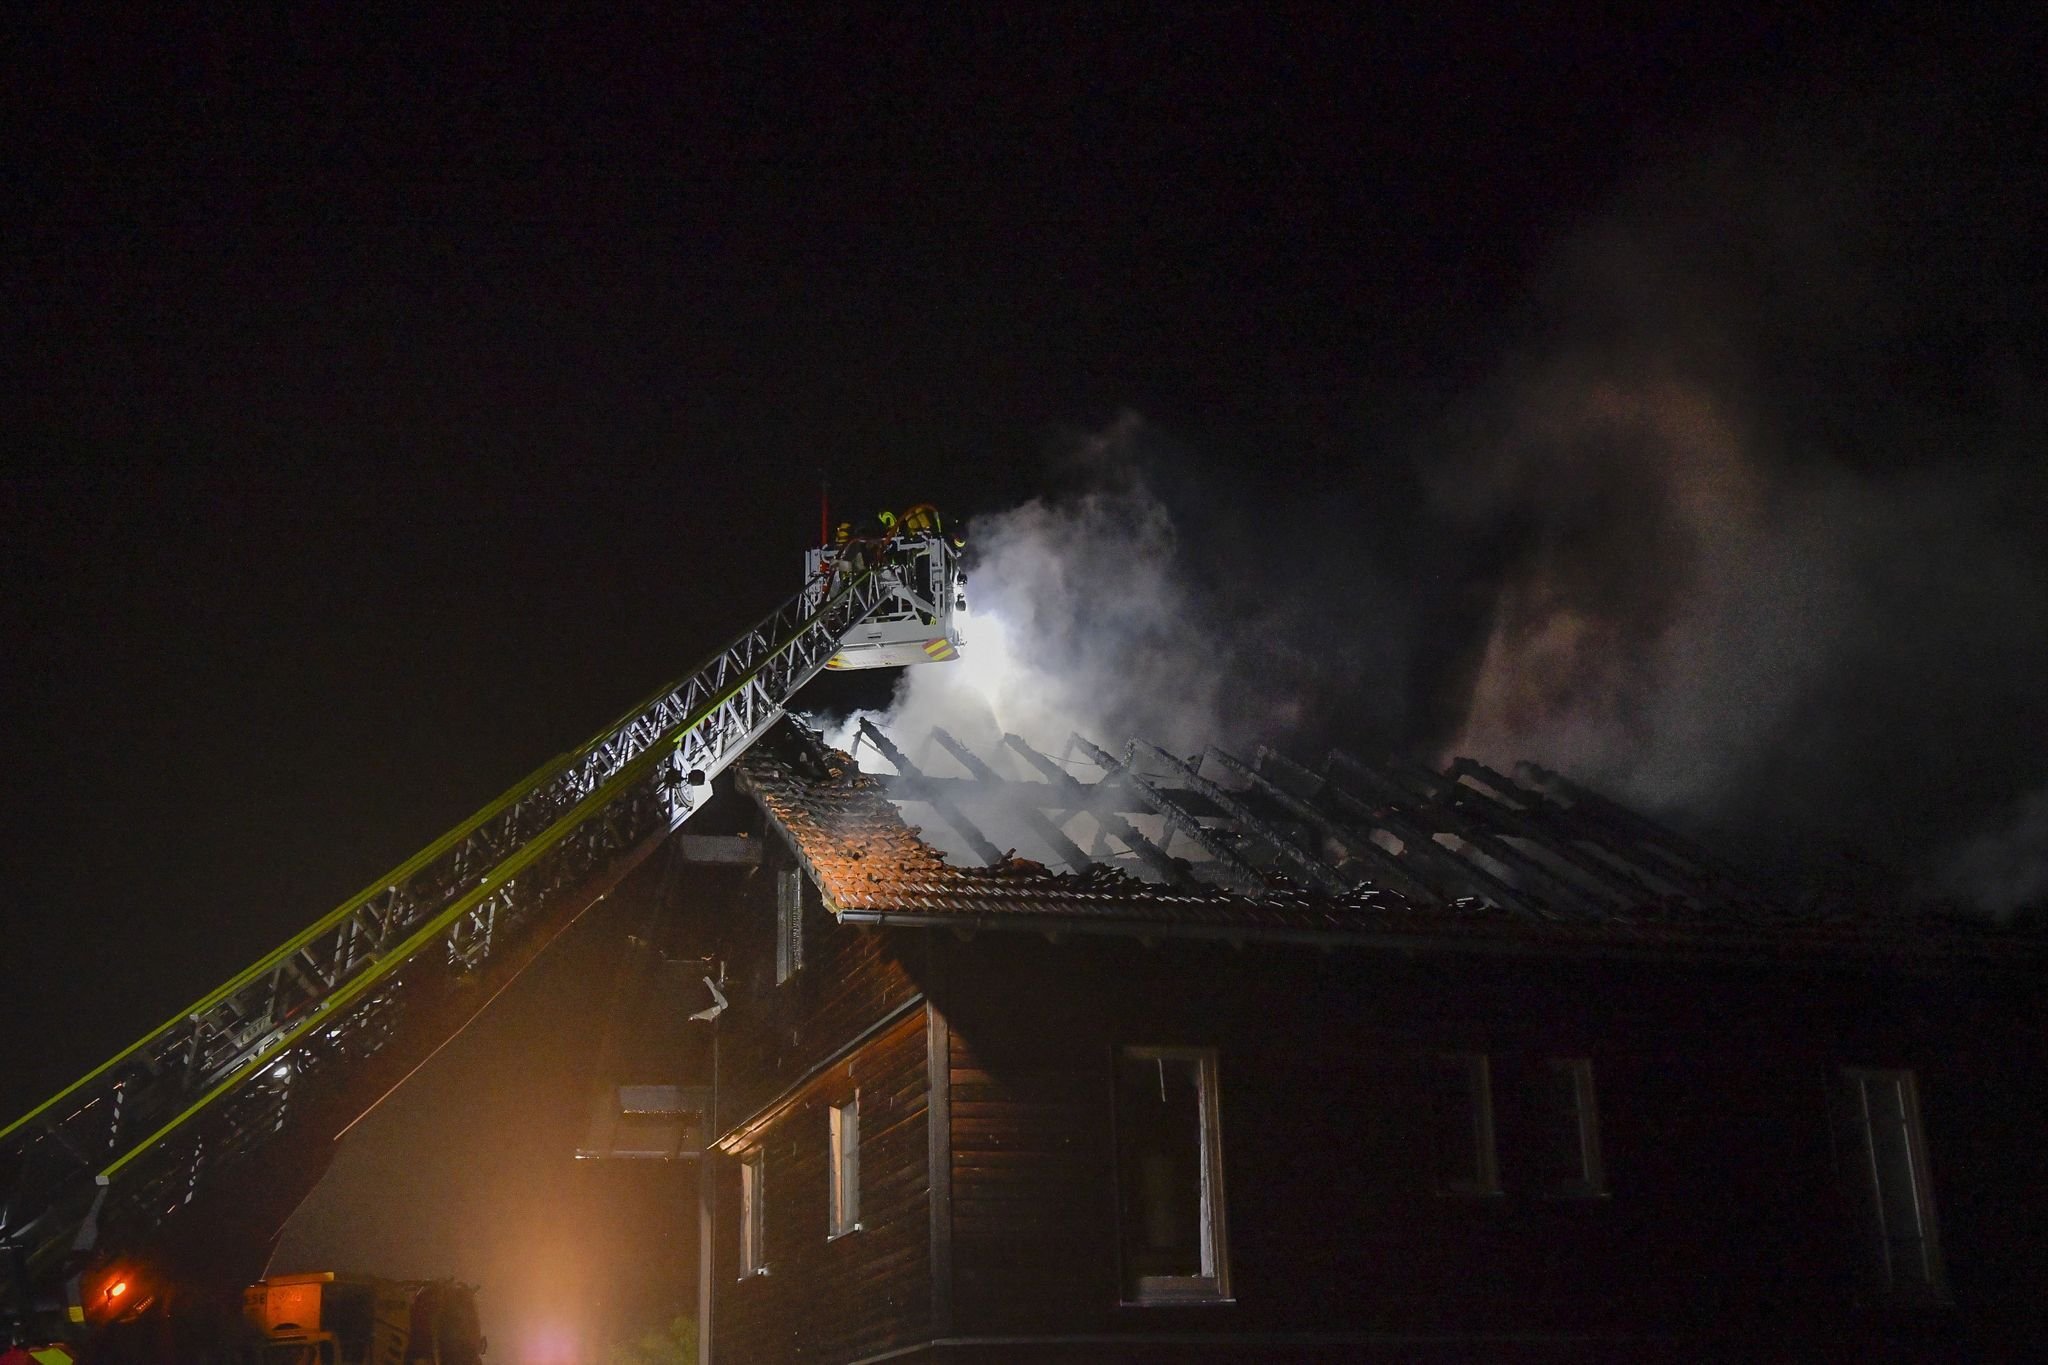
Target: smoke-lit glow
(985, 667)
(548, 1344)
(1086, 618)
(1736, 575)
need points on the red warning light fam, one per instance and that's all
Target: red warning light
(117, 1289)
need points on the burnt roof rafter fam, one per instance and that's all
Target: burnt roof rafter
(969, 792)
(1361, 847)
(1405, 858)
(1087, 799)
(1229, 861)
(1285, 850)
(1434, 800)
(1535, 817)
(948, 810)
(1417, 842)
(1064, 848)
(1708, 876)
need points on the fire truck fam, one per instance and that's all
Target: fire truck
(164, 1175)
(330, 1319)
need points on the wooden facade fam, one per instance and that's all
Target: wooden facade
(994, 1215)
(851, 1020)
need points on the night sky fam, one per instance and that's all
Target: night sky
(388, 405)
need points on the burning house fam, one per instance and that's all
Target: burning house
(1149, 1056)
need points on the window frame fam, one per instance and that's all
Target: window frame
(753, 1214)
(1591, 1182)
(842, 1178)
(1484, 1181)
(1858, 1160)
(1212, 1286)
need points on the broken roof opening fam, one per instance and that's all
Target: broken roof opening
(1149, 842)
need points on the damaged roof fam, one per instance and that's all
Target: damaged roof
(1154, 844)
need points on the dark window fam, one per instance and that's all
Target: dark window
(1565, 1134)
(1170, 1175)
(1461, 1119)
(1884, 1158)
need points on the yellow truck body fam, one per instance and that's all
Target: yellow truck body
(330, 1318)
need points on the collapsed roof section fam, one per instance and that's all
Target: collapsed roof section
(1155, 844)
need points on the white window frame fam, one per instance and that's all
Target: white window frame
(1870, 1176)
(1483, 1182)
(789, 923)
(1213, 1284)
(1591, 1182)
(753, 1214)
(844, 1169)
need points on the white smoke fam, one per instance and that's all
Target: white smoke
(2004, 869)
(1085, 618)
(1729, 573)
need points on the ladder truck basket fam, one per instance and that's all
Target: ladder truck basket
(924, 598)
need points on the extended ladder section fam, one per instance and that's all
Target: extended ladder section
(103, 1163)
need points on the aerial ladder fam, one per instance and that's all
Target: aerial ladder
(177, 1161)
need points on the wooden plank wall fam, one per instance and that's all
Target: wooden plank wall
(862, 1293)
(1709, 1079)
(775, 1034)
(1033, 1190)
(1714, 1130)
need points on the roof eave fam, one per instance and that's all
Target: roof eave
(1909, 955)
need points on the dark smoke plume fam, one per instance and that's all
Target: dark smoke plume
(1757, 481)
(1747, 512)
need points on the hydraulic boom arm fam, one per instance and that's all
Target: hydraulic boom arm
(375, 985)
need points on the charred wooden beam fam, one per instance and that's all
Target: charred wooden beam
(1228, 859)
(1112, 823)
(1055, 838)
(1384, 864)
(950, 813)
(1538, 886)
(1314, 869)
(1454, 805)
(1417, 844)
(1540, 819)
(970, 792)
(1730, 886)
